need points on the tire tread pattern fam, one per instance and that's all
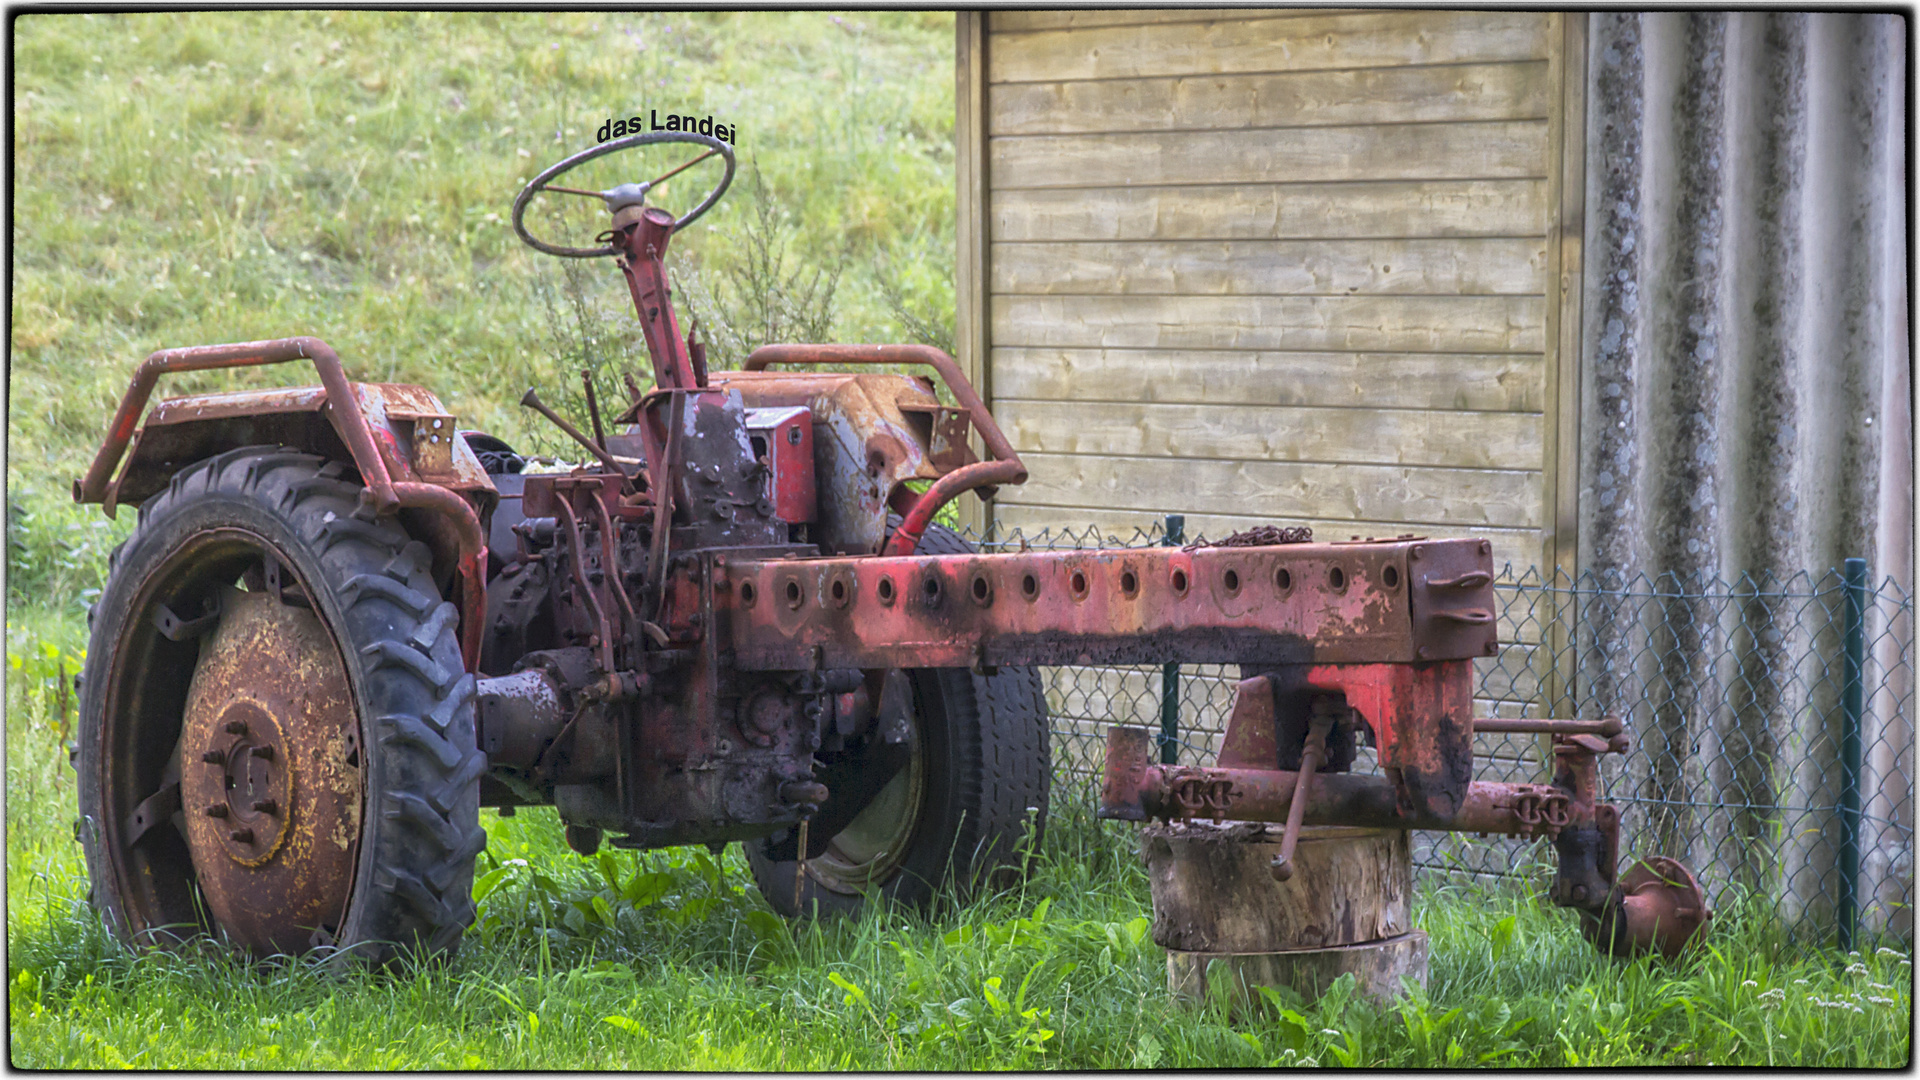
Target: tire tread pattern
(420, 830)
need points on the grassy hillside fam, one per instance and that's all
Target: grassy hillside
(187, 178)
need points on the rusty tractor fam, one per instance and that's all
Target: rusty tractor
(342, 625)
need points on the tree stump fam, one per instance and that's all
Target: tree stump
(1219, 913)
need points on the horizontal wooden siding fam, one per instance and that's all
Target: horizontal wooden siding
(1271, 266)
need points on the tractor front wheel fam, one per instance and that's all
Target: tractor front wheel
(277, 732)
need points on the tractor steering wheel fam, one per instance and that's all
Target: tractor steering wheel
(625, 194)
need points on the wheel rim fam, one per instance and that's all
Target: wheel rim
(869, 850)
(274, 668)
(270, 784)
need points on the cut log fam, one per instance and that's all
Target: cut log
(1376, 966)
(1227, 925)
(1212, 892)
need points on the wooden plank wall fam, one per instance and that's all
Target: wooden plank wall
(1273, 266)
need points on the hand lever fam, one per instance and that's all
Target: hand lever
(1311, 756)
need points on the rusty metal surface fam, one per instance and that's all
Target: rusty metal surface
(946, 435)
(185, 429)
(1297, 604)
(1605, 727)
(1660, 909)
(865, 444)
(350, 424)
(1451, 586)
(1003, 467)
(786, 432)
(270, 784)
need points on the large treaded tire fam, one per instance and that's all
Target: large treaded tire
(371, 586)
(987, 772)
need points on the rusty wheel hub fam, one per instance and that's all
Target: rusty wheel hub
(1661, 909)
(270, 776)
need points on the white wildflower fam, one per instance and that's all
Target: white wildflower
(1330, 1032)
(1799, 982)
(1749, 982)
(1884, 951)
(1877, 1000)
(1856, 969)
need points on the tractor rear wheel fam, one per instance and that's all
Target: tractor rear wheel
(277, 732)
(963, 811)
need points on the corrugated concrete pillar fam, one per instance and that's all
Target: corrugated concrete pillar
(1744, 420)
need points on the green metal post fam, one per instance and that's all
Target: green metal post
(1170, 674)
(1852, 706)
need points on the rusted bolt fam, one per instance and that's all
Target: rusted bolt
(266, 806)
(1416, 551)
(1486, 548)
(803, 792)
(217, 810)
(241, 836)
(1493, 648)
(236, 727)
(214, 757)
(264, 753)
(1423, 652)
(1579, 894)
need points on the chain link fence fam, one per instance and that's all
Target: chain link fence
(1771, 724)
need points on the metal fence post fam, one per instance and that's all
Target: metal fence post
(1170, 674)
(1852, 705)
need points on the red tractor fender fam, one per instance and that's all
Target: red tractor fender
(399, 437)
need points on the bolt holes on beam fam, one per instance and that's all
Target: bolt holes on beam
(930, 588)
(1030, 587)
(1179, 582)
(1077, 584)
(1129, 584)
(982, 590)
(748, 593)
(1336, 577)
(1231, 581)
(794, 594)
(1390, 577)
(885, 591)
(1283, 579)
(840, 591)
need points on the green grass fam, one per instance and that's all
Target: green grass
(670, 961)
(189, 178)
